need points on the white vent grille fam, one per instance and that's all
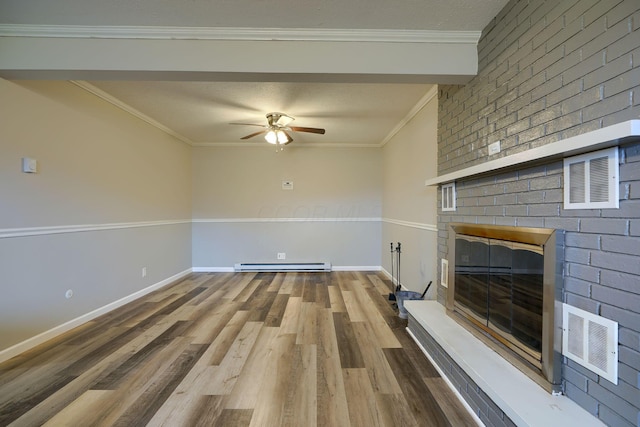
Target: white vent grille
(591, 341)
(449, 197)
(591, 180)
(444, 273)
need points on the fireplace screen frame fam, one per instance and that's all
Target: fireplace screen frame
(546, 364)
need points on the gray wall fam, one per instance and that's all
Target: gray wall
(242, 214)
(548, 71)
(112, 195)
(408, 207)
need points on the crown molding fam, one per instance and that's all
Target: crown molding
(431, 93)
(235, 33)
(293, 144)
(129, 109)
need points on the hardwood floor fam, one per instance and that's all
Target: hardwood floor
(236, 349)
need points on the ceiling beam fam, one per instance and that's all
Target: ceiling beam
(79, 53)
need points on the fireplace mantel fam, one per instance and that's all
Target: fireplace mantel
(620, 133)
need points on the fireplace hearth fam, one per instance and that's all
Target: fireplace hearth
(506, 282)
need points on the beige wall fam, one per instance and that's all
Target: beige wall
(409, 208)
(97, 163)
(100, 166)
(97, 166)
(243, 215)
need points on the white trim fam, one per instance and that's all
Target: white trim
(446, 379)
(421, 226)
(129, 109)
(30, 343)
(356, 268)
(431, 93)
(333, 268)
(259, 220)
(601, 138)
(6, 233)
(236, 33)
(213, 269)
(300, 145)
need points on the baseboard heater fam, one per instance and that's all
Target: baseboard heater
(283, 267)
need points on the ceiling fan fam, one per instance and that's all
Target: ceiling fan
(277, 129)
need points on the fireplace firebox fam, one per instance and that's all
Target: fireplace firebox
(506, 282)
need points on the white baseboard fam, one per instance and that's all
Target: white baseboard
(333, 268)
(355, 267)
(30, 343)
(212, 269)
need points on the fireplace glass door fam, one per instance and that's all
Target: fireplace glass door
(499, 284)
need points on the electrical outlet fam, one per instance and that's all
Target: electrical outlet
(144, 271)
(282, 255)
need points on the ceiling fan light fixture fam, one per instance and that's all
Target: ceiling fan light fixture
(283, 138)
(271, 137)
(277, 136)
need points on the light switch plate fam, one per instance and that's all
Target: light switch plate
(494, 148)
(29, 165)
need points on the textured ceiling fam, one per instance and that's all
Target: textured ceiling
(468, 15)
(200, 112)
(360, 114)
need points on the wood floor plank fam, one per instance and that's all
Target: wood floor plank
(226, 376)
(450, 404)
(381, 376)
(348, 349)
(308, 324)
(394, 410)
(237, 291)
(143, 409)
(332, 397)
(423, 405)
(206, 328)
(276, 312)
(276, 282)
(78, 412)
(309, 288)
(289, 324)
(301, 396)
(245, 392)
(363, 408)
(382, 286)
(355, 310)
(419, 362)
(336, 300)
(259, 349)
(322, 292)
(235, 417)
(288, 284)
(269, 409)
(227, 337)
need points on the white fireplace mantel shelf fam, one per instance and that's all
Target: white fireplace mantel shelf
(518, 396)
(609, 136)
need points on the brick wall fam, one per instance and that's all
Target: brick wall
(549, 71)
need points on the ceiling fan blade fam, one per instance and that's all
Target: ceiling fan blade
(303, 129)
(248, 124)
(253, 134)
